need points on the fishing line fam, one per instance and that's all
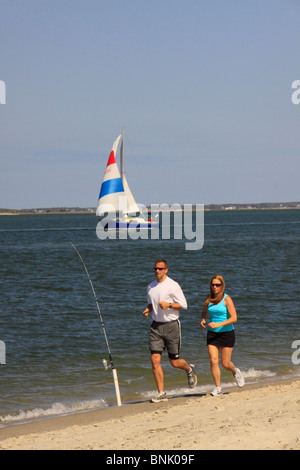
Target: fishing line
(114, 370)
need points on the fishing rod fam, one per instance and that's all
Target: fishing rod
(114, 370)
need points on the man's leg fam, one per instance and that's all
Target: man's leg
(180, 364)
(157, 371)
(188, 368)
(173, 342)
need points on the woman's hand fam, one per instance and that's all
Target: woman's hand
(213, 325)
(202, 324)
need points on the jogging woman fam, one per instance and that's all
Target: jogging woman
(221, 335)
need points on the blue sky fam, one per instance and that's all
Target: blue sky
(202, 89)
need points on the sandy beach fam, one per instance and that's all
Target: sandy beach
(259, 416)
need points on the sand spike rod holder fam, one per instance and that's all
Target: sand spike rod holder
(114, 371)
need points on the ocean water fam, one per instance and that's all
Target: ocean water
(49, 322)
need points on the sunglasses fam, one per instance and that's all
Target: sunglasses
(159, 269)
(215, 285)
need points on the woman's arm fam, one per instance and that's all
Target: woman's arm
(204, 317)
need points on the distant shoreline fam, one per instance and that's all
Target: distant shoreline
(207, 207)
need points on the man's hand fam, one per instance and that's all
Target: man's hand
(164, 305)
(147, 310)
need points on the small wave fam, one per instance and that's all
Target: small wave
(257, 374)
(251, 373)
(57, 409)
(48, 229)
(228, 224)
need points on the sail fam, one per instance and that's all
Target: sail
(112, 187)
(115, 195)
(132, 207)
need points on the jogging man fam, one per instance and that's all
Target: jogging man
(165, 300)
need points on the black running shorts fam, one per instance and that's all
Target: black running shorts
(221, 340)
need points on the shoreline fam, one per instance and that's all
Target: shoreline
(17, 214)
(262, 415)
(207, 207)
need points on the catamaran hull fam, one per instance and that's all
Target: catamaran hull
(116, 225)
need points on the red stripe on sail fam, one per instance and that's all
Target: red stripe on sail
(111, 159)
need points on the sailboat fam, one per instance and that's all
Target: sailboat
(117, 208)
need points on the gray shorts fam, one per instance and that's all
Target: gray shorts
(166, 335)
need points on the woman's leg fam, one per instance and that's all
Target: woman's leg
(226, 360)
(213, 352)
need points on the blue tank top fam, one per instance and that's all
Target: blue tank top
(217, 314)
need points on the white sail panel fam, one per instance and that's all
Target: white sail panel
(112, 186)
(132, 207)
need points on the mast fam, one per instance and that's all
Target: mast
(122, 158)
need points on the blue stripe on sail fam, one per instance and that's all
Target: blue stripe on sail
(111, 186)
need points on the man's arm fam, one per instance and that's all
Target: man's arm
(147, 310)
(172, 305)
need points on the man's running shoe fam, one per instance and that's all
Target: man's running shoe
(217, 391)
(239, 378)
(161, 396)
(192, 377)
